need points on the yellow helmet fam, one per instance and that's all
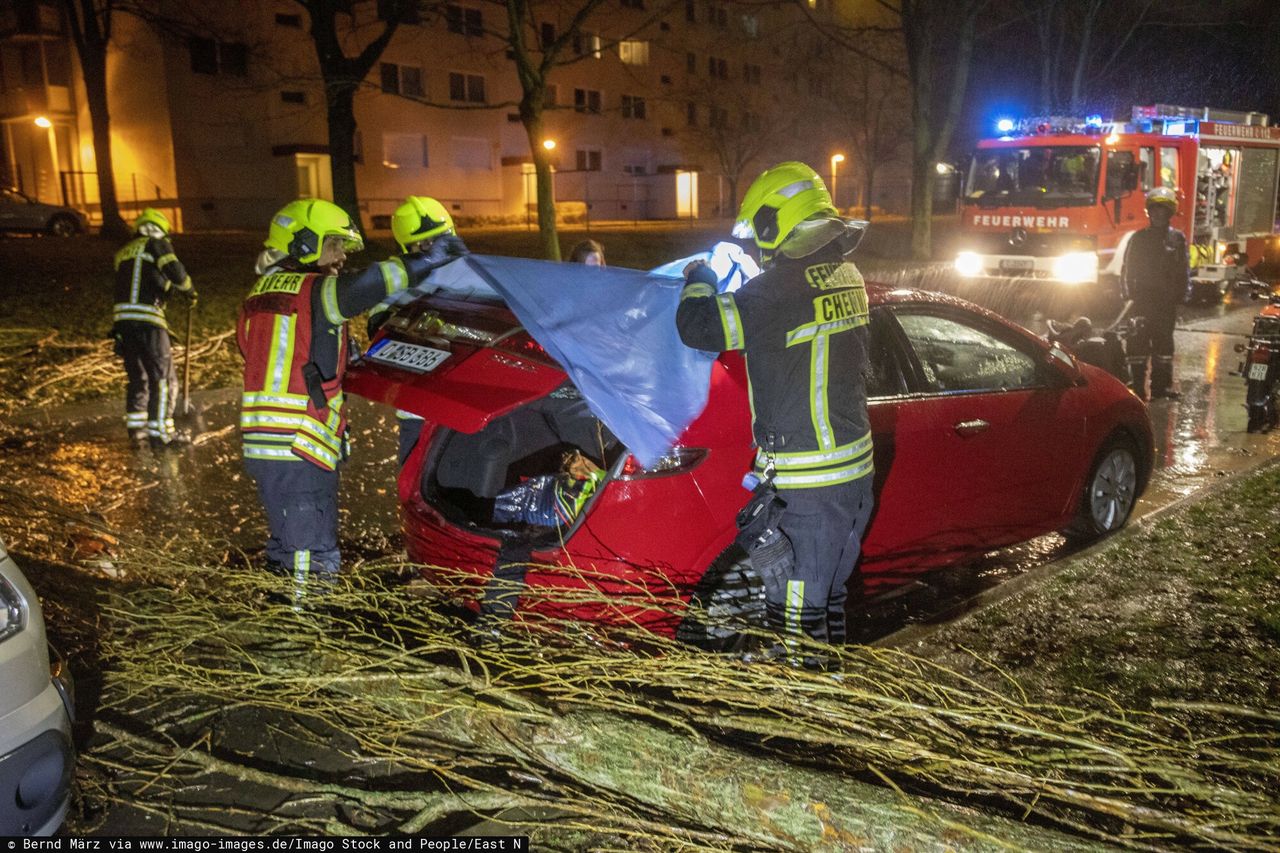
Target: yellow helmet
(152, 223)
(779, 200)
(1163, 195)
(419, 218)
(299, 229)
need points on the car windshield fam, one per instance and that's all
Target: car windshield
(1040, 176)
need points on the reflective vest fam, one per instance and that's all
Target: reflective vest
(280, 418)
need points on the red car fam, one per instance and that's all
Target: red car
(985, 435)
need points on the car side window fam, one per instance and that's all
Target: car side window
(884, 374)
(958, 356)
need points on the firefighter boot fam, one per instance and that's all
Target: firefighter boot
(138, 438)
(1162, 378)
(1138, 378)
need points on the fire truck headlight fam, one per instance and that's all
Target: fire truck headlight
(969, 264)
(1076, 267)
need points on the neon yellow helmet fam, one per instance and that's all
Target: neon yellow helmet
(299, 229)
(779, 200)
(1163, 195)
(419, 218)
(152, 223)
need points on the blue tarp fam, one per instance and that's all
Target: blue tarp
(612, 329)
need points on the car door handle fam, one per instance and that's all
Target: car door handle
(973, 427)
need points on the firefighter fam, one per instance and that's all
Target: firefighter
(292, 331)
(802, 324)
(147, 270)
(416, 226)
(1157, 277)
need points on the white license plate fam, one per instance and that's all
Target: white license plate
(1017, 265)
(1258, 370)
(413, 357)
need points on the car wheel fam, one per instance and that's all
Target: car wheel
(1110, 491)
(726, 605)
(64, 226)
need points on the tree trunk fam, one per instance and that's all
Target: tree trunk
(342, 131)
(93, 64)
(732, 207)
(867, 188)
(531, 116)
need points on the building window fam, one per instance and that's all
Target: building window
(472, 153)
(691, 114)
(691, 63)
(751, 122)
(551, 96)
(691, 11)
(634, 52)
(719, 118)
(751, 26)
(293, 96)
(398, 10)
(586, 100)
(718, 68)
(466, 87)
(717, 15)
(633, 4)
(584, 43)
(404, 151)
(402, 80)
(633, 106)
(751, 73)
(548, 33)
(464, 20)
(588, 159)
(219, 57)
(294, 21)
(635, 169)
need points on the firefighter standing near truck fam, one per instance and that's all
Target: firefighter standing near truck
(417, 225)
(802, 324)
(147, 271)
(1157, 277)
(292, 331)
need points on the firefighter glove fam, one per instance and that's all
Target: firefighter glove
(700, 271)
(442, 251)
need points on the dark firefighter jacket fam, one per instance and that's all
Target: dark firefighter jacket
(146, 268)
(802, 325)
(1157, 272)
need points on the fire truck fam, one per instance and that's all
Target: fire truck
(1055, 200)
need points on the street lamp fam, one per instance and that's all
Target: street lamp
(549, 144)
(41, 121)
(836, 160)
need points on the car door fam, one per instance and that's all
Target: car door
(11, 206)
(986, 443)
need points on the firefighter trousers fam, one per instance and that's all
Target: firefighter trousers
(152, 388)
(1154, 339)
(301, 502)
(825, 526)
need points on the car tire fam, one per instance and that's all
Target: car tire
(1110, 491)
(726, 605)
(63, 226)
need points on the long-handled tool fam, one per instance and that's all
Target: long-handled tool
(191, 415)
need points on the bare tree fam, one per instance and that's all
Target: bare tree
(342, 76)
(90, 24)
(736, 129)
(1079, 45)
(869, 117)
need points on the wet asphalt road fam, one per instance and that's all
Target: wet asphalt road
(78, 457)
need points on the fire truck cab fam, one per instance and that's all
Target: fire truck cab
(1055, 200)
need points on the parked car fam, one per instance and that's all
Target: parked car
(20, 213)
(985, 435)
(36, 703)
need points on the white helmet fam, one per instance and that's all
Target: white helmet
(1163, 195)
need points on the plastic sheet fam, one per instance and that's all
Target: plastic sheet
(614, 332)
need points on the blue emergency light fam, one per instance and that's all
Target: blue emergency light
(1004, 125)
(1093, 121)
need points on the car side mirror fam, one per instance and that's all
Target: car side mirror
(1062, 368)
(1129, 179)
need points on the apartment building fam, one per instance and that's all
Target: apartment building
(658, 110)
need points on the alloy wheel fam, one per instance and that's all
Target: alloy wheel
(1111, 494)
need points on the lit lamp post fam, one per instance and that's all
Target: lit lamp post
(836, 160)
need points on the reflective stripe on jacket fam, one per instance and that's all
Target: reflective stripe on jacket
(802, 327)
(279, 419)
(146, 269)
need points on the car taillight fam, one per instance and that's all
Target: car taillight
(1262, 353)
(522, 344)
(676, 461)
